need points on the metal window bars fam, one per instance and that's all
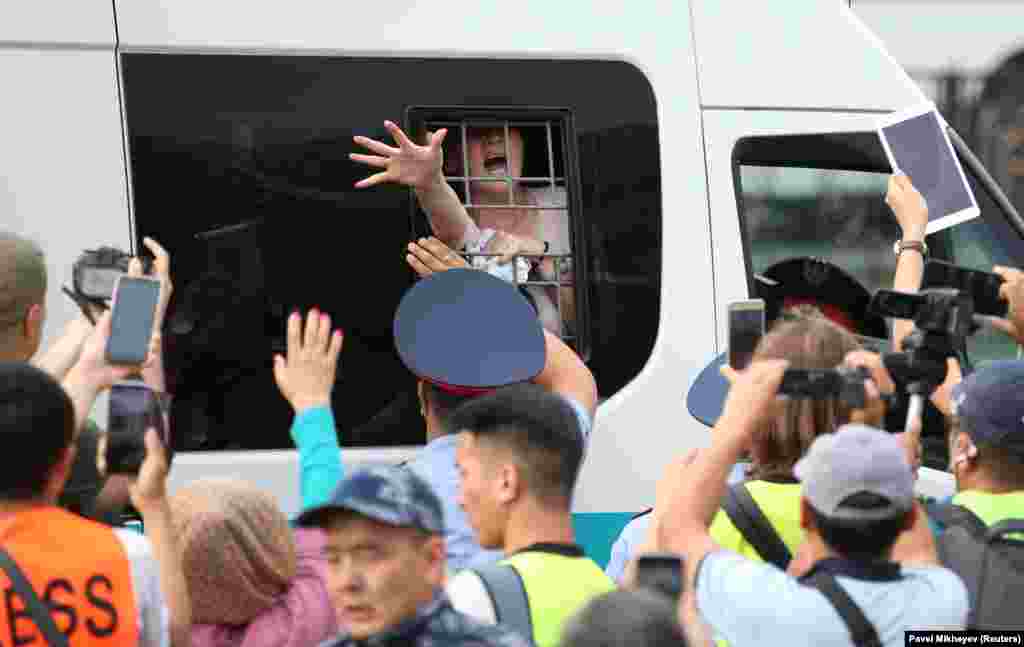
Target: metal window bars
(465, 179)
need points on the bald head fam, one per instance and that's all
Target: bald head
(22, 287)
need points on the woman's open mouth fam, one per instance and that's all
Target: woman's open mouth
(496, 166)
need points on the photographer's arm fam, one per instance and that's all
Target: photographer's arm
(421, 168)
(62, 354)
(911, 213)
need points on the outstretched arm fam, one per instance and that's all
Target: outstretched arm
(911, 213)
(420, 167)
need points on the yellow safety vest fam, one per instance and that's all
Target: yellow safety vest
(780, 503)
(558, 583)
(992, 508)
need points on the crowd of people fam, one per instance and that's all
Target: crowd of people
(798, 524)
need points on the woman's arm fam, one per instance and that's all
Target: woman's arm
(421, 168)
(306, 379)
(911, 213)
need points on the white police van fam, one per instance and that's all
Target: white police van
(696, 142)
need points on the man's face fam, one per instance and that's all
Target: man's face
(479, 490)
(379, 574)
(489, 157)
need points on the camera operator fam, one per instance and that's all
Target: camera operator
(874, 570)
(114, 582)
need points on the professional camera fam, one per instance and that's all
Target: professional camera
(943, 320)
(95, 274)
(846, 384)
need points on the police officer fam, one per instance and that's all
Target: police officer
(463, 333)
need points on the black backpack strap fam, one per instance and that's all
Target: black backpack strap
(748, 518)
(511, 606)
(950, 515)
(861, 630)
(39, 612)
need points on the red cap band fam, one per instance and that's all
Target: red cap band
(833, 313)
(470, 391)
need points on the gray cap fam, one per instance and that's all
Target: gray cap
(387, 493)
(856, 459)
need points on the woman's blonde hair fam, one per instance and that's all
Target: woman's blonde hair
(808, 340)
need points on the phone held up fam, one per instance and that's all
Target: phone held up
(132, 319)
(134, 408)
(661, 573)
(746, 327)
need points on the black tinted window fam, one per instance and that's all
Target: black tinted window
(240, 167)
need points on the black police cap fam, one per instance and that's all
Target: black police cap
(467, 331)
(824, 283)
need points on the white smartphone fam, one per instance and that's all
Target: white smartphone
(746, 327)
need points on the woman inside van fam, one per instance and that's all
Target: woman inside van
(538, 225)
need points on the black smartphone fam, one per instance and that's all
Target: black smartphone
(982, 286)
(746, 327)
(134, 313)
(134, 408)
(661, 573)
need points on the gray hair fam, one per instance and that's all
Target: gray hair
(22, 277)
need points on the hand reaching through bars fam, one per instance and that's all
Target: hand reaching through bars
(409, 164)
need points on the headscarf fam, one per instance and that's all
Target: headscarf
(237, 547)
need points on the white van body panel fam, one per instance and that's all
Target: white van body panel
(65, 178)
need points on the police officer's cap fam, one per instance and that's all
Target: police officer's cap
(467, 331)
(841, 297)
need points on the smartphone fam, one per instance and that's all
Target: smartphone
(134, 408)
(661, 573)
(131, 326)
(746, 327)
(982, 286)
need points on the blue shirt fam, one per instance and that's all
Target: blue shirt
(752, 603)
(633, 535)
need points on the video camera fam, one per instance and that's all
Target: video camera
(844, 383)
(94, 275)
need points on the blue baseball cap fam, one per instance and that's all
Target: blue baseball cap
(468, 332)
(990, 402)
(386, 493)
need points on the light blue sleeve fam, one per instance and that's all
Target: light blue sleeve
(320, 470)
(630, 539)
(727, 582)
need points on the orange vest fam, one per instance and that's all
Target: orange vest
(79, 569)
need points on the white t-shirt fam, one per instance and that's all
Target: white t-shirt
(154, 618)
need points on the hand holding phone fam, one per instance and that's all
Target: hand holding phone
(134, 409)
(133, 319)
(746, 327)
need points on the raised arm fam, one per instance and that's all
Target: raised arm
(306, 378)
(911, 213)
(153, 373)
(565, 373)
(421, 168)
(62, 354)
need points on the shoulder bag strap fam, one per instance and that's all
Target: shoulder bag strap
(861, 630)
(511, 606)
(748, 518)
(39, 612)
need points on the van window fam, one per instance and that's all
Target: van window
(824, 196)
(239, 165)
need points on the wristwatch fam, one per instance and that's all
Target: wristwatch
(918, 245)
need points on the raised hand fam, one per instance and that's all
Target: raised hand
(150, 487)
(93, 367)
(306, 376)
(752, 396)
(429, 255)
(409, 164)
(909, 207)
